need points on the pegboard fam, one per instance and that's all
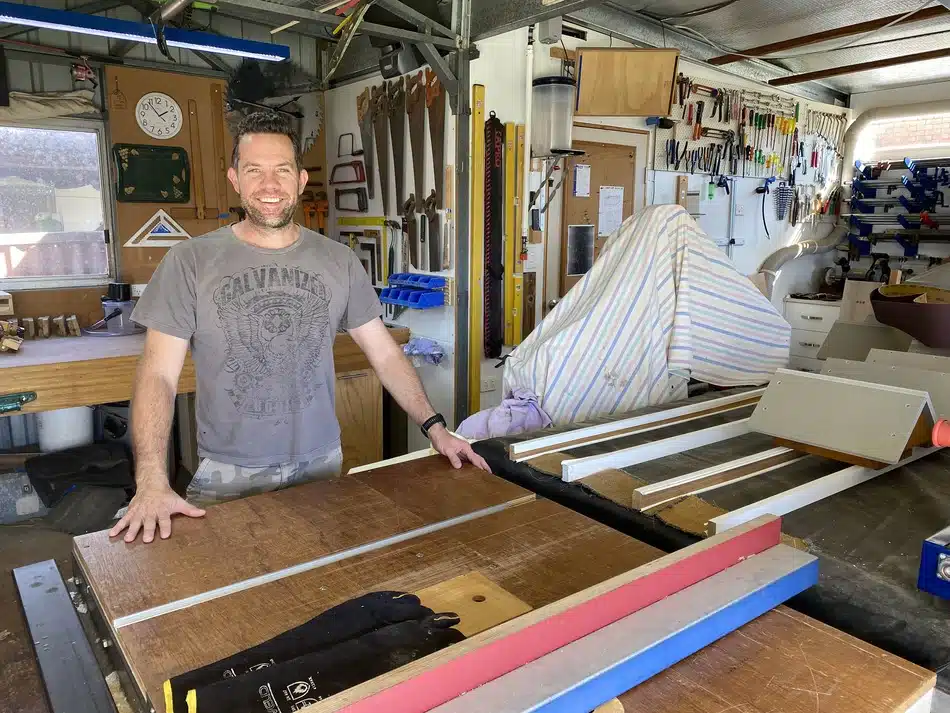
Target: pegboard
(772, 139)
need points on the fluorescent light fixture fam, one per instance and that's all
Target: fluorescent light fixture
(67, 21)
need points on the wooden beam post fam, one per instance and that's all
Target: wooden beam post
(929, 13)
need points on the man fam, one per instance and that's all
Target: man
(259, 302)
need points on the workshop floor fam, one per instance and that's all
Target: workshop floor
(21, 689)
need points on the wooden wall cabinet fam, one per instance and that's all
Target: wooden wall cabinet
(359, 409)
(625, 82)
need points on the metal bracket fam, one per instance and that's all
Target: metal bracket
(13, 402)
(441, 68)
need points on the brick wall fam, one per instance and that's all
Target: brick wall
(917, 131)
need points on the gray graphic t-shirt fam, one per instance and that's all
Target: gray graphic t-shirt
(261, 325)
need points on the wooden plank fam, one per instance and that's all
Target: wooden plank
(915, 360)
(635, 424)
(848, 340)
(791, 500)
(625, 82)
(67, 372)
(577, 468)
(325, 518)
(700, 481)
(932, 381)
(71, 675)
(478, 601)
(867, 420)
(828, 453)
(785, 661)
(437, 678)
(540, 553)
(621, 655)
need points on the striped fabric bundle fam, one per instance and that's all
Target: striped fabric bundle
(661, 305)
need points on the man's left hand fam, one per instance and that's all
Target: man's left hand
(455, 449)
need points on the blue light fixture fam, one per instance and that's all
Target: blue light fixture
(67, 21)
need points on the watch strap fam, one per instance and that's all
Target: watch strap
(430, 422)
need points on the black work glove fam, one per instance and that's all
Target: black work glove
(307, 679)
(344, 621)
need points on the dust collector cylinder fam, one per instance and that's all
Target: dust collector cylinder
(552, 114)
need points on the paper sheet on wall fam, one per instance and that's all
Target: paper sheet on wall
(610, 213)
(582, 180)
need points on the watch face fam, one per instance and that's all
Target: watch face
(158, 115)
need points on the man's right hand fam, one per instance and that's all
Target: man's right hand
(153, 506)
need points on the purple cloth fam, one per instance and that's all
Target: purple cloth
(517, 413)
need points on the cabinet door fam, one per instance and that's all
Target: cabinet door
(359, 409)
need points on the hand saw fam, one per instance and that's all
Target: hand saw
(435, 101)
(411, 225)
(435, 233)
(364, 115)
(397, 128)
(380, 104)
(415, 105)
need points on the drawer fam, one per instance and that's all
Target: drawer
(816, 316)
(801, 363)
(806, 343)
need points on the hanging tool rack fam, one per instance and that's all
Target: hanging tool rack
(901, 201)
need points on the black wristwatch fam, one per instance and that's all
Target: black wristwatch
(430, 422)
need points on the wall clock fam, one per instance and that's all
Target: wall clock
(158, 115)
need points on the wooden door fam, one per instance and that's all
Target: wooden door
(359, 409)
(610, 165)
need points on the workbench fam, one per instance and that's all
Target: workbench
(87, 371)
(256, 567)
(867, 538)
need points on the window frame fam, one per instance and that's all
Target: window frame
(108, 207)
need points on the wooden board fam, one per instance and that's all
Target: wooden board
(609, 661)
(784, 661)
(539, 552)
(359, 409)
(935, 383)
(85, 371)
(849, 340)
(870, 421)
(649, 496)
(625, 82)
(267, 533)
(478, 601)
(914, 360)
(610, 165)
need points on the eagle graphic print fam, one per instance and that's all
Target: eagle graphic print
(276, 321)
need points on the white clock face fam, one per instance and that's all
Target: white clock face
(158, 115)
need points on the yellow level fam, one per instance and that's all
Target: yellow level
(517, 313)
(358, 221)
(511, 246)
(476, 273)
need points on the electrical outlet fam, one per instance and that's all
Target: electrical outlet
(137, 290)
(489, 384)
(740, 209)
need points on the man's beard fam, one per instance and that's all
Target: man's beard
(270, 222)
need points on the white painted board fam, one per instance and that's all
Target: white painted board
(935, 383)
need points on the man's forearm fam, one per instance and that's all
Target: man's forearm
(400, 379)
(152, 405)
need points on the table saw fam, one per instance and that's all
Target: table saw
(462, 540)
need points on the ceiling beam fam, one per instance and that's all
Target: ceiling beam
(855, 68)
(495, 17)
(277, 10)
(88, 9)
(929, 13)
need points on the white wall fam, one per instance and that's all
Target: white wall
(934, 91)
(437, 324)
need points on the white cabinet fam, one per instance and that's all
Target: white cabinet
(811, 321)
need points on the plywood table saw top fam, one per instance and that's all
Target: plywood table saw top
(267, 533)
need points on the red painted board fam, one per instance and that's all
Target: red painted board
(471, 669)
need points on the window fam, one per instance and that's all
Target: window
(54, 215)
(917, 136)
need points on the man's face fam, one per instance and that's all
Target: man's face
(267, 179)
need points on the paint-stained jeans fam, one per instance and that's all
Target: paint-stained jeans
(216, 482)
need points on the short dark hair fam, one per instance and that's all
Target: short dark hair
(266, 122)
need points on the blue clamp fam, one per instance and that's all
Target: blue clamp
(934, 573)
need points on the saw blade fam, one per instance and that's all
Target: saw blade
(435, 101)
(415, 108)
(364, 114)
(380, 104)
(397, 128)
